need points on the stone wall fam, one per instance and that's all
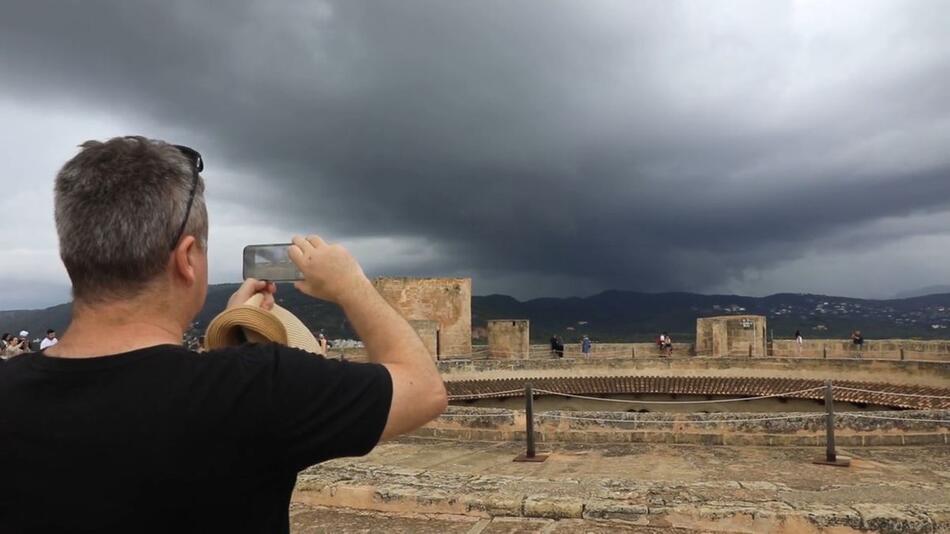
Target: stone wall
(488, 424)
(932, 374)
(613, 350)
(445, 300)
(509, 338)
(878, 349)
(731, 335)
(428, 331)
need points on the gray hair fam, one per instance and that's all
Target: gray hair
(118, 207)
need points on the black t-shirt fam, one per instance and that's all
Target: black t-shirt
(166, 440)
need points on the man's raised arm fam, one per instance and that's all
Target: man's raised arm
(331, 273)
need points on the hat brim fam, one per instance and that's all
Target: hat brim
(250, 322)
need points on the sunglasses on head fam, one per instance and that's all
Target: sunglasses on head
(197, 165)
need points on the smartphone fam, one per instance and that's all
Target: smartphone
(270, 262)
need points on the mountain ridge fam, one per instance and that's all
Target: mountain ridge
(612, 315)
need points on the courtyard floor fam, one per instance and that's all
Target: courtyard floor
(476, 487)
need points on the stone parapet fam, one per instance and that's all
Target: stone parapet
(933, 374)
(890, 349)
(740, 429)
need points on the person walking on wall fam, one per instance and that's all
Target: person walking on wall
(586, 346)
(858, 341)
(559, 347)
(666, 343)
(554, 346)
(799, 341)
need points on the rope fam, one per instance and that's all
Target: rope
(484, 395)
(685, 421)
(893, 393)
(866, 416)
(625, 401)
(511, 415)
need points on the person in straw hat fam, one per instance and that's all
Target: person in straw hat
(141, 434)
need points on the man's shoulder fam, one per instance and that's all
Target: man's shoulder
(266, 354)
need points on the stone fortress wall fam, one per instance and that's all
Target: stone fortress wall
(446, 301)
(509, 338)
(915, 427)
(873, 348)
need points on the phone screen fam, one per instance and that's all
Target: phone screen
(270, 262)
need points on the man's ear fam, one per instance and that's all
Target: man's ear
(184, 257)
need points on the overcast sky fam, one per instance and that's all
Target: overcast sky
(541, 147)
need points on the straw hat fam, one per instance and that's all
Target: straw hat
(249, 322)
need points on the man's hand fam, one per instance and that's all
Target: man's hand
(329, 271)
(251, 287)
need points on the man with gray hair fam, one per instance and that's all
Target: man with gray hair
(118, 428)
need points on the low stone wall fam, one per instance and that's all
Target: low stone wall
(613, 350)
(934, 374)
(754, 429)
(878, 349)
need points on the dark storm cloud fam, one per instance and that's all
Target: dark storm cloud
(636, 145)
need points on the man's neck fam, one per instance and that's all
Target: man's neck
(113, 329)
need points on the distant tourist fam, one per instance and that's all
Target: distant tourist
(25, 341)
(585, 346)
(49, 340)
(322, 344)
(858, 340)
(799, 341)
(559, 347)
(15, 347)
(666, 344)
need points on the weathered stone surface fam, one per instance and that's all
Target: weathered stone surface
(888, 519)
(552, 507)
(708, 489)
(509, 338)
(732, 335)
(610, 509)
(445, 300)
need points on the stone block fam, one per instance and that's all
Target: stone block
(923, 439)
(882, 440)
(612, 510)
(552, 507)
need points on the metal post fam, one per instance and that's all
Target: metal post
(530, 454)
(902, 353)
(529, 419)
(824, 352)
(831, 454)
(634, 352)
(750, 350)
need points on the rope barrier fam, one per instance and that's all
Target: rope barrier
(685, 421)
(710, 421)
(868, 416)
(893, 393)
(471, 396)
(625, 401)
(478, 415)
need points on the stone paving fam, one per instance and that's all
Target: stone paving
(664, 487)
(322, 520)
